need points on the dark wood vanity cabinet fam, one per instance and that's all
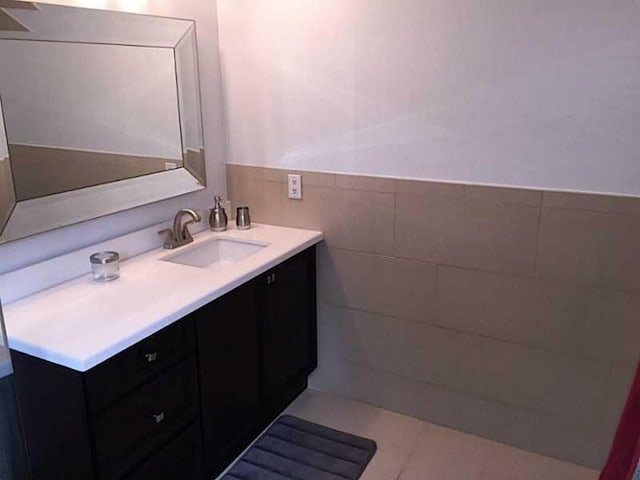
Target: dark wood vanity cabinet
(229, 359)
(184, 402)
(287, 330)
(115, 418)
(257, 360)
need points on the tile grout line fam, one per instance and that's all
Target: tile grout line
(583, 285)
(394, 222)
(535, 348)
(536, 252)
(454, 391)
(407, 461)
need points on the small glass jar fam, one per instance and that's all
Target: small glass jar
(105, 266)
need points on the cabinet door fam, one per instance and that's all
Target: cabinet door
(179, 459)
(287, 313)
(227, 340)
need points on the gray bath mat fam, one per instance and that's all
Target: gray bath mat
(294, 449)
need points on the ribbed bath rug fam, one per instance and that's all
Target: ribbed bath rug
(294, 449)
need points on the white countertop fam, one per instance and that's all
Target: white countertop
(80, 323)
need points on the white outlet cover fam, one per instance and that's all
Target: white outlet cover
(295, 187)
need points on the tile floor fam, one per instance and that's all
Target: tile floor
(411, 449)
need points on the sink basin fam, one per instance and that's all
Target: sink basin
(219, 251)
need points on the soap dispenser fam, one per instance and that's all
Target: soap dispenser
(218, 217)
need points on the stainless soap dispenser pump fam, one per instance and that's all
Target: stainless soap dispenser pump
(218, 217)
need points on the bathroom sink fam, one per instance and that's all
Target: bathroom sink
(219, 251)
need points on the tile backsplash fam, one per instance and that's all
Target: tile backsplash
(509, 313)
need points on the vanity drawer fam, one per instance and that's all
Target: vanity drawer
(180, 459)
(134, 427)
(112, 379)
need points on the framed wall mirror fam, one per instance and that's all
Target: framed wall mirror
(99, 112)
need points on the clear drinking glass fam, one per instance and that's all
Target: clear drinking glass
(105, 266)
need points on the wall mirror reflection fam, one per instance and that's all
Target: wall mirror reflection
(100, 112)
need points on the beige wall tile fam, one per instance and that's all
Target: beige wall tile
(610, 328)
(245, 187)
(405, 348)
(476, 234)
(246, 171)
(619, 388)
(384, 285)
(376, 387)
(355, 220)
(372, 184)
(524, 428)
(510, 195)
(574, 389)
(593, 248)
(552, 436)
(491, 351)
(419, 224)
(592, 202)
(419, 187)
(568, 388)
(496, 370)
(274, 203)
(519, 309)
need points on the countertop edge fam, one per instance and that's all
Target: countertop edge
(87, 363)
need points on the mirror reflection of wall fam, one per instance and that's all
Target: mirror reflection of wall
(102, 114)
(80, 115)
(7, 192)
(189, 96)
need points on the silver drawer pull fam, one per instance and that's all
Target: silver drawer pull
(159, 418)
(151, 357)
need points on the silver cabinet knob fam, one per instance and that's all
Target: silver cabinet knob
(151, 357)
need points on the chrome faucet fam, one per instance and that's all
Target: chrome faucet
(180, 234)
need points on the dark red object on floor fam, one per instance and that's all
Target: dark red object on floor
(625, 452)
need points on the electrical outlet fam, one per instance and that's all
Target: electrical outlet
(295, 187)
(170, 166)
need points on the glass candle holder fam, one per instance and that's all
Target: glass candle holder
(105, 266)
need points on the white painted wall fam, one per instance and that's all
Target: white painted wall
(105, 98)
(525, 93)
(30, 250)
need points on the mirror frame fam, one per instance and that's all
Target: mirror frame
(39, 215)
